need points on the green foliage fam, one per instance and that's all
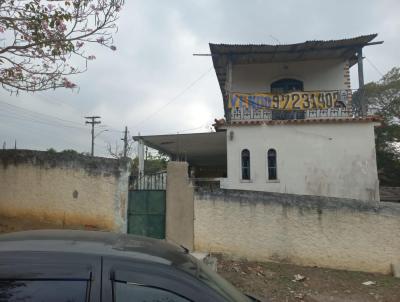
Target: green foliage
(70, 152)
(153, 164)
(41, 39)
(384, 97)
(51, 150)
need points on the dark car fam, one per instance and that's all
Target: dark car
(54, 265)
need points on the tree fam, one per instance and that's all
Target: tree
(117, 151)
(383, 97)
(154, 163)
(43, 42)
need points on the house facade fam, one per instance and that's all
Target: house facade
(292, 124)
(324, 159)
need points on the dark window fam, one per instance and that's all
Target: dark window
(127, 292)
(272, 169)
(246, 164)
(285, 86)
(288, 114)
(49, 290)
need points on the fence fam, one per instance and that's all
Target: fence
(156, 181)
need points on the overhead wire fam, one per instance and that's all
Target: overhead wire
(41, 114)
(57, 137)
(31, 116)
(20, 114)
(174, 98)
(33, 120)
(55, 121)
(373, 66)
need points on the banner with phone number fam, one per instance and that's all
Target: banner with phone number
(288, 101)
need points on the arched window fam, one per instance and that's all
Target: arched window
(286, 85)
(272, 168)
(246, 164)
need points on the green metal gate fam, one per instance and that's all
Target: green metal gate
(146, 207)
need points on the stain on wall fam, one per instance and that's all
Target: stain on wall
(332, 160)
(304, 230)
(63, 190)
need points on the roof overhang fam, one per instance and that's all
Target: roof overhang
(198, 149)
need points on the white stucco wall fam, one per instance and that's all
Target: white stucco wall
(336, 159)
(316, 75)
(59, 190)
(305, 230)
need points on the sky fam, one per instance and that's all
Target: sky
(154, 85)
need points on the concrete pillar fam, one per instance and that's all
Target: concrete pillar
(141, 158)
(179, 205)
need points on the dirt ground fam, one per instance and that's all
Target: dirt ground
(274, 282)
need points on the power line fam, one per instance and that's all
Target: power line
(174, 98)
(58, 137)
(111, 128)
(41, 114)
(53, 119)
(190, 129)
(33, 120)
(53, 99)
(376, 68)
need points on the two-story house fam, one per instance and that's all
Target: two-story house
(290, 123)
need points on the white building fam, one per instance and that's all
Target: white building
(290, 124)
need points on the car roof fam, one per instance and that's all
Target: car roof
(95, 243)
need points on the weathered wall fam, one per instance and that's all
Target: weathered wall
(63, 190)
(304, 230)
(329, 159)
(179, 205)
(316, 75)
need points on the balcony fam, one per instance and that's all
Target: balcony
(293, 106)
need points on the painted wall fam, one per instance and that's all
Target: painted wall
(179, 205)
(316, 75)
(304, 230)
(60, 190)
(329, 159)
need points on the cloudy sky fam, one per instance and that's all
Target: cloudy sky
(154, 85)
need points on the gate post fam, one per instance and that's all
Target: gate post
(179, 205)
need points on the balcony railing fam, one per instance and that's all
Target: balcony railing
(273, 114)
(294, 105)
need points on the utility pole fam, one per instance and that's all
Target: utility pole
(15, 145)
(92, 121)
(125, 139)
